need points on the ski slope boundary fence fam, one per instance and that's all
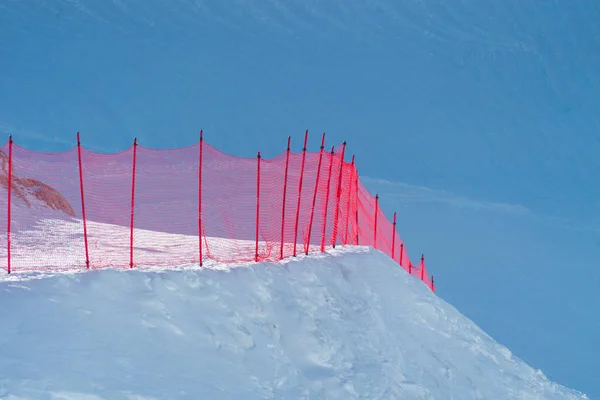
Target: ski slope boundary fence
(148, 207)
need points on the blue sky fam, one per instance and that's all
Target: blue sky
(477, 121)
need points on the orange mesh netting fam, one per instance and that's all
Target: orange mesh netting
(147, 207)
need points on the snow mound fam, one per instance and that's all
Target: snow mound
(347, 324)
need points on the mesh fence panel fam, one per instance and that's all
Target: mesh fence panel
(229, 200)
(305, 198)
(336, 192)
(384, 232)
(166, 207)
(107, 182)
(318, 176)
(347, 223)
(291, 203)
(148, 207)
(366, 216)
(317, 231)
(4, 176)
(270, 208)
(46, 220)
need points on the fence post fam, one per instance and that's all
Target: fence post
(410, 268)
(327, 200)
(85, 237)
(285, 178)
(9, 179)
(300, 191)
(257, 204)
(200, 198)
(357, 205)
(345, 241)
(376, 213)
(312, 213)
(401, 253)
(338, 196)
(394, 237)
(432, 284)
(422, 267)
(135, 144)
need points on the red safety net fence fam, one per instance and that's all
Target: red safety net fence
(147, 207)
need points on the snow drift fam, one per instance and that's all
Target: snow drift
(347, 324)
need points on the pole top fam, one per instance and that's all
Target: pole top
(289, 141)
(305, 140)
(10, 140)
(201, 135)
(323, 141)
(343, 152)
(258, 155)
(135, 143)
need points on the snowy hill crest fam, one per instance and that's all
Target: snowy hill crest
(345, 325)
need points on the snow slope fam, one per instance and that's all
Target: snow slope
(346, 324)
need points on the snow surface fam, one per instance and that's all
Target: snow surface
(346, 324)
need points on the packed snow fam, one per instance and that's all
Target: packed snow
(345, 324)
